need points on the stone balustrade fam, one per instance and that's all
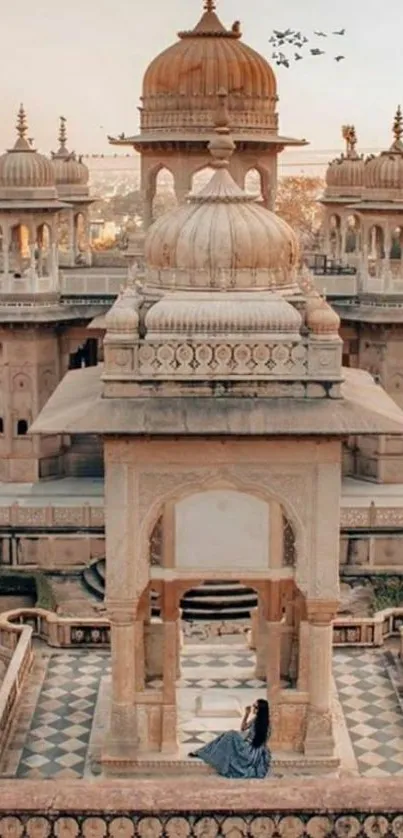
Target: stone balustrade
(91, 284)
(21, 515)
(88, 516)
(213, 808)
(17, 640)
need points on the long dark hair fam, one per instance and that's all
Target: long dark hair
(261, 723)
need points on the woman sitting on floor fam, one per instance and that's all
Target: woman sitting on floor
(243, 755)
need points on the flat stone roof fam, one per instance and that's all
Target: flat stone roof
(64, 491)
(78, 406)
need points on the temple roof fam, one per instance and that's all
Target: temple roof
(78, 406)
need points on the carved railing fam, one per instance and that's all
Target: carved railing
(77, 284)
(16, 645)
(213, 808)
(87, 516)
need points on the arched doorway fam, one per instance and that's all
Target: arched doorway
(208, 646)
(254, 183)
(164, 197)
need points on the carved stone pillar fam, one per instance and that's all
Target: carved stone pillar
(6, 252)
(343, 239)
(273, 635)
(182, 184)
(319, 740)
(122, 739)
(170, 614)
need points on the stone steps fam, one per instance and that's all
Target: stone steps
(211, 601)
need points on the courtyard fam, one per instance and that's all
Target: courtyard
(63, 714)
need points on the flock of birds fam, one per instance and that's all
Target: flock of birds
(290, 38)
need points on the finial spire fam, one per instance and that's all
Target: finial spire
(398, 124)
(22, 126)
(350, 136)
(209, 5)
(62, 132)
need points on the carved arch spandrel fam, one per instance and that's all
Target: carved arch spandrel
(293, 488)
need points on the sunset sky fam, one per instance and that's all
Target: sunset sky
(85, 60)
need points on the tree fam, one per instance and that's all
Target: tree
(297, 203)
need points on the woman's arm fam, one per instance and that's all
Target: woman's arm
(245, 720)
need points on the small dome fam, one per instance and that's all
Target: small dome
(383, 174)
(322, 320)
(180, 85)
(70, 174)
(229, 314)
(221, 228)
(123, 317)
(345, 174)
(23, 168)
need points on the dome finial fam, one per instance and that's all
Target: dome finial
(22, 126)
(397, 144)
(209, 5)
(398, 124)
(62, 132)
(350, 136)
(222, 145)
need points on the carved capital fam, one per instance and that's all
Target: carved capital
(122, 612)
(321, 612)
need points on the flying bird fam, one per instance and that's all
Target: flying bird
(339, 57)
(320, 34)
(339, 32)
(317, 51)
(298, 57)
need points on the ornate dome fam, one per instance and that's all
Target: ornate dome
(221, 229)
(345, 174)
(71, 175)
(24, 170)
(229, 314)
(322, 320)
(383, 174)
(180, 85)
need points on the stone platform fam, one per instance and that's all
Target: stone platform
(64, 715)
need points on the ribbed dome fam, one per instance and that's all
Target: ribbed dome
(345, 174)
(221, 229)
(383, 174)
(180, 85)
(23, 168)
(229, 314)
(70, 174)
(323, 321)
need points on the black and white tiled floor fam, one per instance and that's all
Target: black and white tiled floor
(371, 709)
(58, 738)
(54, 732)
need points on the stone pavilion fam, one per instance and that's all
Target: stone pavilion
(178, 103)
(222, 404)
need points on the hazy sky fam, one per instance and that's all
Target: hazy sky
(85, 60)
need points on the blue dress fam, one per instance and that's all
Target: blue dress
(232, 755)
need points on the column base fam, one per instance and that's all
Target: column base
(122, 741)
(319, 738)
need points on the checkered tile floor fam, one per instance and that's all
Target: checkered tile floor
(52, 737)
(371, 709)
(58, 738)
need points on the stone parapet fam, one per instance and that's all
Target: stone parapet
(211, 806)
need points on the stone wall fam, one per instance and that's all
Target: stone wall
(211, 808)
